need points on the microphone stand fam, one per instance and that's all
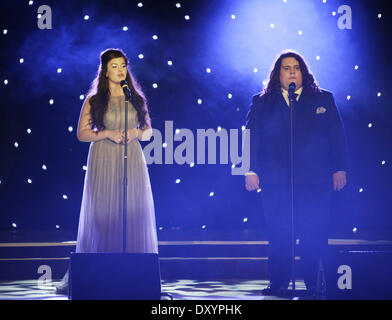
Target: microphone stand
(125, 177)
(291, 105)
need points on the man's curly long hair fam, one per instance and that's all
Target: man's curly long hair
(99, 92)
(308, 80)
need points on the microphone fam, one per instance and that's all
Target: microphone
(291, 91)
(127, 92)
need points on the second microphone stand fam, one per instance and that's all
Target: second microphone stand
(125, 176)
(292, 101)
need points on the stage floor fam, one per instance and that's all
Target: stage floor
(183, 289)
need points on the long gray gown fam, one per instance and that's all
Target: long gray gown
(101, 215)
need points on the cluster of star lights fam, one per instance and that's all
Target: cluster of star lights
(199, 101)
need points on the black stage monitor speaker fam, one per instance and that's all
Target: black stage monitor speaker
(114, 276)
(356, 275)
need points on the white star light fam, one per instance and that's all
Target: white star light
(199, 101)
(178, 180)
(44, 167)
(86, 17)
(170, 63)
(5, 31)
(212, 194)
(154, 85)
(21, 60)
(81, 97)
(51, 101)
(70, 129)
(140, 56)
(65, 197)
(140, 4)
(125, 28)
(187, 17)
(59, 70)
(28, 130)
(155, 37)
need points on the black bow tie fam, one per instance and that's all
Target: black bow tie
(294, 97)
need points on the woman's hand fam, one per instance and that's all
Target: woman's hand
(131, 135)
(115, 136)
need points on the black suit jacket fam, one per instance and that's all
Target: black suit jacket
(319, 143)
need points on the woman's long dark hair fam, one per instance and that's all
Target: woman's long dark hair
(308, 81)
(99, 92)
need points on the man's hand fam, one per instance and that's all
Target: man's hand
(339, 180)
(252, 182)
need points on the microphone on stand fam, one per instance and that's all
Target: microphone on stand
(291, 91)
(127, 92)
